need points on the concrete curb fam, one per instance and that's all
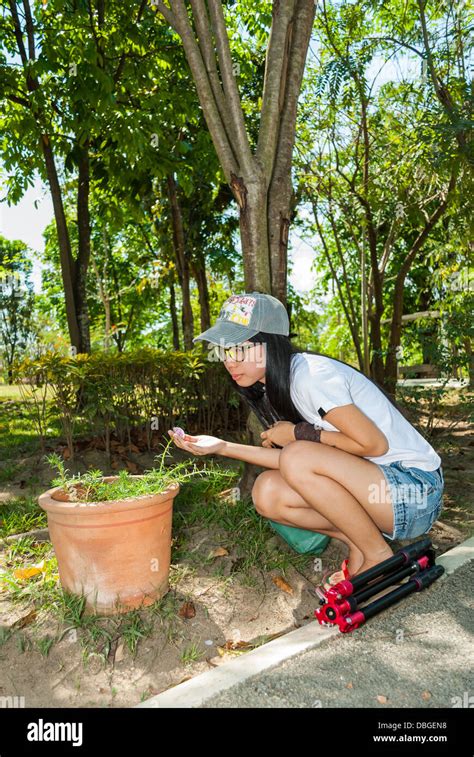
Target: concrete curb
(202, 687)
(456, 556)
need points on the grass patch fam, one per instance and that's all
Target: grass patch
(10, 392)
(8, 472)
(21, 514)
(18, 430)
(246, 531)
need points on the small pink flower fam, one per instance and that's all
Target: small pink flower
(179, 431)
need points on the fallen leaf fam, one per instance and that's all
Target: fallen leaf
(350, 685)
(66, 454)
(132, 467)
(230, 644)
(426, 695)
(234, 647)
(187, 610)
(282, 584)
(218, 552)
(381, 699)
(119, 653)
(25, 573)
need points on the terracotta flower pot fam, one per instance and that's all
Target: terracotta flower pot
(117, 553)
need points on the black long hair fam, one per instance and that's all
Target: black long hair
(272, 401)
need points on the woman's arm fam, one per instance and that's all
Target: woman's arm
(267, 458)
(357, 433)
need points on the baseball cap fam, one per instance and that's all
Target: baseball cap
(244, 315)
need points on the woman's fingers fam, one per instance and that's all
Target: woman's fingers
(178, 440)
(185, 443)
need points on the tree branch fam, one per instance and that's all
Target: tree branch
(275, 69)
(180, 22)
(429, 225)
(29, 30)
(201, 22)
(230, 85)
(18, 33)
(351, 324)
(442, 92)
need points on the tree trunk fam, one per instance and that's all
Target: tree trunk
(66, 259)
(251, 197)
(182, 263)
(105, 299)
(84, 250)
(390, 381)
(470, 354)
(199, 273)
(174, 317)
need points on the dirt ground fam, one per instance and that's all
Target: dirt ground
(211, 616)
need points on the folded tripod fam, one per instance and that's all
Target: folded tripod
(343, 604)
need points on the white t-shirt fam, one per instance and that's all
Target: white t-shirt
(319, 383)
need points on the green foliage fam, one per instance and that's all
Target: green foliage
(376, 154)
(151, 390)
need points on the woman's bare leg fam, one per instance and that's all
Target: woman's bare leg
(348, 490)
(276, 500)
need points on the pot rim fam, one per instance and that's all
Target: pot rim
(47, 501)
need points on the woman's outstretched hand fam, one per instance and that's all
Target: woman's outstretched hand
(198, 445)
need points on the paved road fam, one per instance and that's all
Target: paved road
(416, 654)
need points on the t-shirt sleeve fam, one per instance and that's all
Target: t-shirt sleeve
(322, 389)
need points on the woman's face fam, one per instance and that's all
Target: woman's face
(246, 363)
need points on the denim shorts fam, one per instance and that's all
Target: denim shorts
(417, 499)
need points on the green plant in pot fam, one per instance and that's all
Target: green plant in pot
(112, 534)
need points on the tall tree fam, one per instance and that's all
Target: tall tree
(259, 175)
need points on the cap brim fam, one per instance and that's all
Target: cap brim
(226, 334)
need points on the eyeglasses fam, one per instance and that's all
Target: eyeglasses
(237, 353)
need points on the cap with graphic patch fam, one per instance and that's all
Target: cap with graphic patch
(244, 315)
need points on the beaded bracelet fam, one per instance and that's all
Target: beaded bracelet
(307, 432)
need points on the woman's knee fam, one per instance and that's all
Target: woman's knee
(264, 493)
(293, 456)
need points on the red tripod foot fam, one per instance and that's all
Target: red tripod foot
(339, 575)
